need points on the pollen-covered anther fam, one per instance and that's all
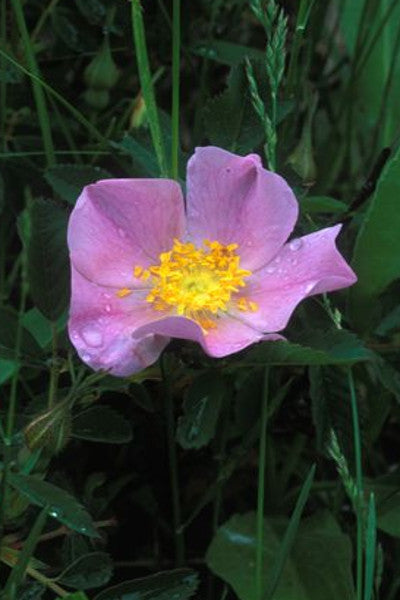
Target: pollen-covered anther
(246, 305)
(196, 282)
(123, 292)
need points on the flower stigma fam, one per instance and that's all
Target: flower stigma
(196, 282)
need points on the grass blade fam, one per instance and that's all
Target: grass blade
(289, 536)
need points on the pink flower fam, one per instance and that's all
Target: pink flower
(223, 274)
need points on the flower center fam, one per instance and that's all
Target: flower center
(197, 282)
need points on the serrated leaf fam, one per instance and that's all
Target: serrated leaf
(230, 119)
(334, 347)
(59, 503)
(320, 547)
(8, 337)
(141, 151)
(88, 571)
(331, 409)
(68, 180)
(180, 584)
(322, 204)
(48, 261)
(376, 259)
(201, 409)
(101, 424)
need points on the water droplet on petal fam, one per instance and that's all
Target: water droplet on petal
(74, 335)
(295, 244)
(107, 308)
(121, 232)
(92, 336)
(271, 269)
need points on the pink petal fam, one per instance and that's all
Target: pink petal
(101, 328)
(304, 267)
(118, 224)
(232, 199)
(230, 335)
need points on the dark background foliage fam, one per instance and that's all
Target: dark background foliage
(106, 481)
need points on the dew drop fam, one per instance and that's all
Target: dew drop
(107, 308)
(74, 335)
(271, 269)
(54, 512)
(295, 245)
(92, 336)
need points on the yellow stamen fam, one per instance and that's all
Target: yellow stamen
(124, 292)
(197, 282)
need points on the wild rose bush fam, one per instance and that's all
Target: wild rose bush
(199, 300)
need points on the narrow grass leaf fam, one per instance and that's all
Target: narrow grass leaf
(370, 550)
(289, 537)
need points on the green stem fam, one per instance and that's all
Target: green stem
(146, 84)
(3, 82)
(36, 79)
(12, 405)
(176, 43)
(42, 19)
(17, 574)
(54, 371)
(359, 483)
(301, 22)
(261, 490)
(40, 100)
(173, 466)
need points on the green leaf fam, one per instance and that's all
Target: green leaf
(320, 548)
(40, 327)
(370, 550)
(322, 204)
(88, 571)
(77, 596)
(201, 408)
(330, 398)
(48, 261)
(227, 53)
(230, 119)
(59, 504)
(93, 10)
(141, 151)
(101, 424)
(68, 180)
(8, 337)
(376, 259)
(334, 347)
(167, 585)
(380, 71)
(289, 537)
(7, 369)
(66, 29)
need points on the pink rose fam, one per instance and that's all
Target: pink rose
(220, 273)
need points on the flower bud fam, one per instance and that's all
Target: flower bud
(139, 112)
(102, 72)
(49, 430)
(97, 99)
